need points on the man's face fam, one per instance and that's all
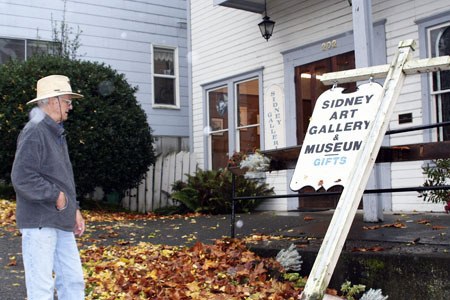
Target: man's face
(59, 108)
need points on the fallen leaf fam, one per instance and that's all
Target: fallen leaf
(370, 249)
(423, 221)
(438, 227)
(394, 225)
(374, 227)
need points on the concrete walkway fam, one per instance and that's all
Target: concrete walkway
(409, 234)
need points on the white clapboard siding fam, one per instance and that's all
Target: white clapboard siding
(155, 189)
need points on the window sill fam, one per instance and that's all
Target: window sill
(161, 106)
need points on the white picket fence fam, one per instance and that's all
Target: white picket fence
(154, 191)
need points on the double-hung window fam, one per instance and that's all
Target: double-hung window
(165, 92)
(233, 119)
(439, 45)
(21, 49)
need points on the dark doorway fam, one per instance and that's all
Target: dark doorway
(308, 88)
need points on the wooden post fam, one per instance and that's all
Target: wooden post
(340, 224)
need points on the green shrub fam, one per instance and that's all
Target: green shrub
(110, 141)
(6, 191)
(210, 192)
(438, 173)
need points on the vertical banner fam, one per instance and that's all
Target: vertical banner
(338, 128)
(274, 118)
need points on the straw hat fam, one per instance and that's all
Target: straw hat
(53, 86)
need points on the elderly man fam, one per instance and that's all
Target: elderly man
(48, 214)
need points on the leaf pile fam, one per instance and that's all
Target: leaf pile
(225, 270)
(7, 213)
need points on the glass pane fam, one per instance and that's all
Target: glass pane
(164, 61)
(218, 123)
(218, 109)
(11, 49)
(164, 91)
(219, 150)
(344, 62)
(308, 86)
(39, 47)
(444, 115)
(248, 103)
(249, 139)
(317, 86)
(441, 45)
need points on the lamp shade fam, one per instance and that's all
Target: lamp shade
(266, 27)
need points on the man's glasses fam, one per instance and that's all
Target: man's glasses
(68, 102)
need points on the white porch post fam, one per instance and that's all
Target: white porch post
(363, 41)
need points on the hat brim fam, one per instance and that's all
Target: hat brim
(74, 95)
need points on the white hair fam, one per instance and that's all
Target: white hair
(42, 102)
(36, 115)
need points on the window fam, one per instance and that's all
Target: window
(233, 119)
(21, 49)
(165, 77)
(439, 45)
(247, 127)
(218, 124)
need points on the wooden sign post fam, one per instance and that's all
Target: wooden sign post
(342, 219)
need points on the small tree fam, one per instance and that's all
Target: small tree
(110, 141)
(63, 44)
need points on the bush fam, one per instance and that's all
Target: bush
(438, 173)
(210, 192)
(6, 191)
(110, 141)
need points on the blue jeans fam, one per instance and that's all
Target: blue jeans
(49, 250)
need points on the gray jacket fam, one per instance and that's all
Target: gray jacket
(42, 169)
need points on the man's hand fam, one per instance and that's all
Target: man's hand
(61, 202)
(79, 224)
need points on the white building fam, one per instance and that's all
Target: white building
(234, 70)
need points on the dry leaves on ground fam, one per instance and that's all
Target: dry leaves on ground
(225, 270)
(392, 225)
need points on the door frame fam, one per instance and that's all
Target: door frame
(321, 49)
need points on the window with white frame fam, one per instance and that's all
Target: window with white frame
(165, 92)
(439, 45)
(218, 123)
(235, 130)
(21, 49)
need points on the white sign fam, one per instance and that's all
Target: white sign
(338, 128)
(274, 119)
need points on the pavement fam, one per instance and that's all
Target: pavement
(265, 232)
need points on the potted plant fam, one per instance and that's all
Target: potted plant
(256, 166)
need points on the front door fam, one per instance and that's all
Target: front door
(308, 88)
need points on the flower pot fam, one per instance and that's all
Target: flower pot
(258, 176)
